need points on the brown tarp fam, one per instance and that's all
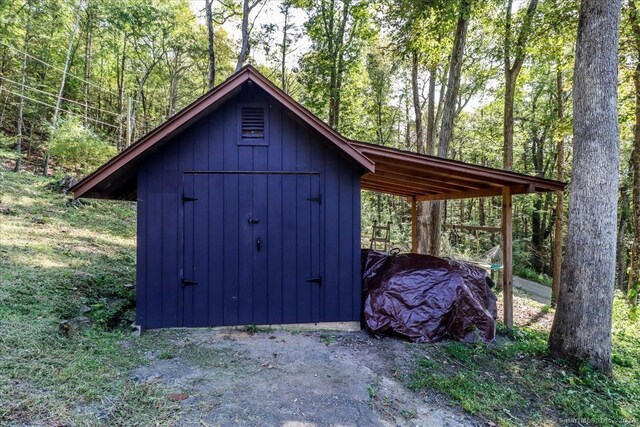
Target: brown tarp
(425, 298)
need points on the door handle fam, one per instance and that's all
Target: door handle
(258, 243)
(253, 220)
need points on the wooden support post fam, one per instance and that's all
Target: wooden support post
(507, 257)
(414, 226)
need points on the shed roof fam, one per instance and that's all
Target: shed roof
(389, 170)
(116, 178)
(405, 173)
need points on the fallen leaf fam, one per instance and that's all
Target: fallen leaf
(177, 397)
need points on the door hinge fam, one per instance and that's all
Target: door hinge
(318, 199)
(188, 199)
(317, 280)
(186, 282)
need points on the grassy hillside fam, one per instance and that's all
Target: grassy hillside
(76, 263)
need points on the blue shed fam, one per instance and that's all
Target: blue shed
(247, 215)
(249, 208)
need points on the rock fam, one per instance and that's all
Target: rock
(129, 286)
(81, 322)
(85, 309)
(136, 330)
(129, 316)
(153, 379)
(37, 220)
(177, 397)
(83, 275)
(64, 328)
(66, 183)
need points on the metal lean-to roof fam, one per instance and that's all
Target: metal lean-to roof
(389, 170)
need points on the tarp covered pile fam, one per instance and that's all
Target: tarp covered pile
(425, 298)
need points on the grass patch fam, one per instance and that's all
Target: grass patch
(255, 329)
(77, 263)
(513, 382)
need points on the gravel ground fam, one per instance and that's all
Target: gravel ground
(291, 379)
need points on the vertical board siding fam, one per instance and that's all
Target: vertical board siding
(171, 229)
(141, 249)
(190, 239)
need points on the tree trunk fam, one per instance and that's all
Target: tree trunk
(23, 73)
(507, 126)
(559, 223)
(208, 4)
(581, 328)
(634, 273)
(448, 117)
(422, 208)
(88, 41)
(431, 111)
(621, 250)
(121, 81)
(407, 127)
(246, 32)
(511, 72)
(417, 110)
(56, 111)
(283, 53)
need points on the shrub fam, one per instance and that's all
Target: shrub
(77, 149)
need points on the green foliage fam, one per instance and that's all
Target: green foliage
(77, 149)
(255, 329)
(512, 382)
(7, 148)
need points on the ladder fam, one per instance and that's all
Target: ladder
(381, 236)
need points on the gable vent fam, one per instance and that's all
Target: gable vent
(252, 122)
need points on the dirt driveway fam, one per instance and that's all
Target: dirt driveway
(285, 378)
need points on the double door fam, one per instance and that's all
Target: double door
(251, 248)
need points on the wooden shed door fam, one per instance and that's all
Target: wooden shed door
(251, 249)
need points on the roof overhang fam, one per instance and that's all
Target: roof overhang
(116, 178)
(409, 174)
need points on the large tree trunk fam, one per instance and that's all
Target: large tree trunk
(208, 4)
(634, 273)
(559, 223)
(581, 328)
(448, 117)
